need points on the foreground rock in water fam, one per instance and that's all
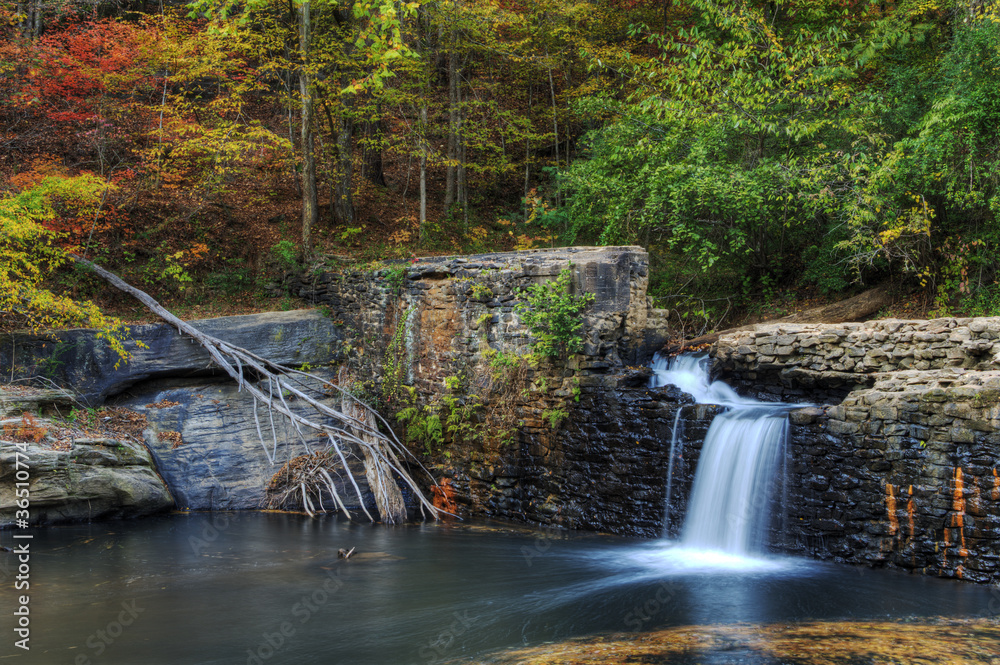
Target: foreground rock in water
(75, 479)
(811, 643)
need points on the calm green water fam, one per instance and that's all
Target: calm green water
(269, 588)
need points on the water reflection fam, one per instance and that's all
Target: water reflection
(239, 587)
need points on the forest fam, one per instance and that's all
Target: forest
(767, 154)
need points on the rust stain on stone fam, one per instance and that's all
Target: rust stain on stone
(958, 517)
(909, 514)
(995, 494)
(890, 507)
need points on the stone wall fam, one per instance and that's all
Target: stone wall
(902, 474)
(897, 463)
(829, 360)
(603, 464)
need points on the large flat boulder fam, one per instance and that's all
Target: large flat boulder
(203, 435)
(90, 480)
(79, 359)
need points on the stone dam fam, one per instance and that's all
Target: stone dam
(893, 464)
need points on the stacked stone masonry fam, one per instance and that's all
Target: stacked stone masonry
(899, 465)
(604, 466)
(795, 359)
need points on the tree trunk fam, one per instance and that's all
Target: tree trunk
(159, 152)
(374, 133)
(527, 159)
(555, 127)
(331, 180)
(450, 170)
(310, 204)
(462, 190)
(344, 207)
(23, 20)
(36, 26)
(287, 80)
(423, 172)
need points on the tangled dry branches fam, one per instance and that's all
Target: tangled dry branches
(295, 396)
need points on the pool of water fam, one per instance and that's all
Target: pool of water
(269, 588)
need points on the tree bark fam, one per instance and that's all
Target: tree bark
(374, 133)
(36, 23)
(462, 189)
(555, 128)
(423, 171)
(527, 158)
(22, 14)
(344, 205)
(310, 203)
(450, 169)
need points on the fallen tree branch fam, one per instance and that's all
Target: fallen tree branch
(382, 453)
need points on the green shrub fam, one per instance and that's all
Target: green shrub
(554, 315)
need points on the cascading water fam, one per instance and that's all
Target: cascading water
(740, 462)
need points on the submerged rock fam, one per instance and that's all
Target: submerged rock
(809, 643)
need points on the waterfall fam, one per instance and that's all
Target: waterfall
(740, 463)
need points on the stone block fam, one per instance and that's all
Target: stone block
(841, 427)
(962, 435)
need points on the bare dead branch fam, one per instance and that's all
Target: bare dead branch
(359, 426)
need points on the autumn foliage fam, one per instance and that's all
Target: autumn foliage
(752, 146)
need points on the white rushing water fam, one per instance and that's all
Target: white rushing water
(740, 464)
